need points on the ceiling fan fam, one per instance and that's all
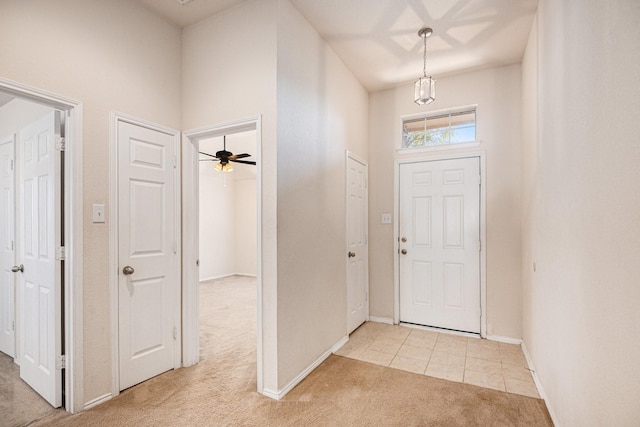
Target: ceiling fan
(224, 157)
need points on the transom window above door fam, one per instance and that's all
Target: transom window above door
(440, 129)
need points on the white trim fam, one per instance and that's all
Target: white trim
(190, 183)
(114, 270)
(302, 375)
(452, 146)
(73, 225)
(483, 231)
(356, 158)
(337, 346)
(506, 340)
(441, 112)
(536, 380)
(98, 401)
(386, 320)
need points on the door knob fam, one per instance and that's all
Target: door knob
(404, 252)
(19, 268)
(352, 254)
(404, 239)
(127, 270)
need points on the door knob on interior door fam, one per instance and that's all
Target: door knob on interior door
(352, 254)
(404, 252)
(128, 270)
(17, 268)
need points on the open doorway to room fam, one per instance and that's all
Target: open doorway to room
(39, 152)
(228, 255)
(222, 274)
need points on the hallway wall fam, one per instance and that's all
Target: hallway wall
(112, 56)
(581, 198)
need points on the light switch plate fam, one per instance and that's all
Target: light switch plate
(386, 218)
(98, 213)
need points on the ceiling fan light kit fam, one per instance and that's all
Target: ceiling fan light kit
(224, 158)
(425, 87)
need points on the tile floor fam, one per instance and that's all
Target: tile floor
(474, 361)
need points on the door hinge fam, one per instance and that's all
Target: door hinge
(11, 165)
(60, 253)
(61, 362)
(13, 325)
(12, 246)
(175, 162)
(479, 245)
(366, 239)
(60, 143)
(175, 333)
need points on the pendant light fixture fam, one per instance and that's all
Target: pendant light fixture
(425, 87)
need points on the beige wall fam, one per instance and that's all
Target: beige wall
(322, 111)
(229, 73)
(228, 227)
(17, 113)
(110, 55)
(581, 320)
(497, 94)
(245, 227)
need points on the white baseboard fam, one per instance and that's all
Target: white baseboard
(541, 392)
(386, 320)
(283, 391)
(506, 340)
(226, 275)
(98, 400)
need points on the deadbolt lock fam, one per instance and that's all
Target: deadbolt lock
(404, 239)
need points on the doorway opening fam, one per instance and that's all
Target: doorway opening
(222, 249)
(228, 257)
(41, 239)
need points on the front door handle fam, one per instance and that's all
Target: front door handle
(128, 270)
(19, 268)
(352, 254)
(403, 252)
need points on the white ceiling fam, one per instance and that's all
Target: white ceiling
(378, 39)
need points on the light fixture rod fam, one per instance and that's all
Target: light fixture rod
(425, 33)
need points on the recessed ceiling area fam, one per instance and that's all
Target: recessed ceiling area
(378, 40)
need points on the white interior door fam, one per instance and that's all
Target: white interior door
(148, 288)
(39, 235)
(440, 244)
(358, 252)
(7, 247)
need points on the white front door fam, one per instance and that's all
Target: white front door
(358, 252)
(7, 247)
(440, 244)
(39, 235)
(148, 286)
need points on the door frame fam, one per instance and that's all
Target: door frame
(190, 229)
(354, 157)
(73, 235)
(114, 229)
(483, 231)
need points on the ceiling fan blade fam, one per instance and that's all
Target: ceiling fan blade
(208, 160)
(239, 156)
(207, 154)
(246, 162)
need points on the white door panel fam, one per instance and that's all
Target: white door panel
(357, 266)
(7, 247)
(148, 299)
(39, 285)
(440, 238)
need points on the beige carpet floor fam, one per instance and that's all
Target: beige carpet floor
(221, 389)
